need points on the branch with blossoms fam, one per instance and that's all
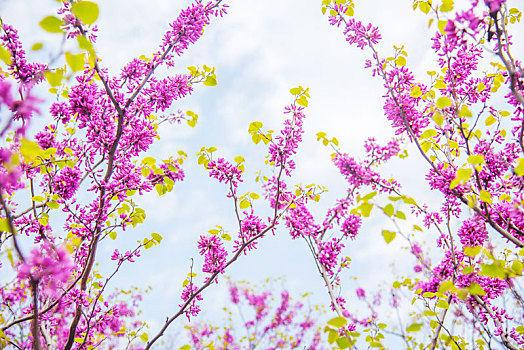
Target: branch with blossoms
(251, 227)
(267, 321)
(102, 126)
(467, 165)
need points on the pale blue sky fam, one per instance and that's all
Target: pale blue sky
(261, 49)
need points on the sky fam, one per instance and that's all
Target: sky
(260, 50)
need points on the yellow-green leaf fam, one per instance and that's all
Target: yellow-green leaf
(476, 289)
(30, 150)
(86, 11)
(76, 62)
(389, 210)
(389, 236)
(465, 112)
(438, 118)
(441, 25)
(5, 56)
(210, 81)
(144, 337)
(400, 61)
(447, 5)
(443, 102)
(51, 24)
(490, 120)
(4, 225)
(485, 196)
(302, 100)
(338, 322)
(476, 159)
(424, 7)
(54, 78)
(37, 46)
(443, 304)
(244, 203)
(472, 251)
(415, 327)
(416, 91)
(519, 169)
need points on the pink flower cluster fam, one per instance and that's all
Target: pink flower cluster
(51, 266)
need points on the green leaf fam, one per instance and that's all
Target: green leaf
(30, 150)
(438, 118)
(4, 225)
(462, 177)
(465, 112)
(51, 24)
(493, 270)
(161, 189)
(443, 102)
(321, 135)
(389, 236)
(343, 343)
(210, 81)
(400, 61)
(440, 84)
(338, 322)
(37, 46)
(37, 199)
(429, 134)
(369, 196)
(86, 11)
(445, 286)
(447, 5)
(295, 91)
(516, 266)
(254, 127)
(389, 210)
(144, 337)
(244, 203)
(481, 87)
(441, 25)
(148, 243)
(84, 43)
(429, 313)
(302, 100)
(519, 169)
(424, 7)
(185, 347)
(156, 237)
(400, 215)
(415, 327)
(112, 235)
(332, 336)
(76, 62)
(54, 78)
(5, 56)
(443, 304)
(53, 205)
(472, 251)
(485, 196)
(476, 159)
(365, 209)
(476, 289)
(416, 92)
(490, 120)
